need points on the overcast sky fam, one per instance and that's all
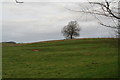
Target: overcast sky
(41, 21)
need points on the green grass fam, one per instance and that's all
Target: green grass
(80, 58)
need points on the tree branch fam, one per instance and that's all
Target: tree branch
(107, 8)
(18, 1)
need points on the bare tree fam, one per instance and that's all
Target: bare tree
(71, 30)
(108, 9)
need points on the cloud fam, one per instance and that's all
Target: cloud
(0, 22)
(58, 0)
(43, 21)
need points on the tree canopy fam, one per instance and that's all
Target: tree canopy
(71, 30)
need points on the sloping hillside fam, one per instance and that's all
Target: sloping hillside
(80, 58)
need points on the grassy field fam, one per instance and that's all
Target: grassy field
(80, 58)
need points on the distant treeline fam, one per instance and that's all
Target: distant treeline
(10, 42)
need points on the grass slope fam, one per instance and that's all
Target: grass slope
(81, 58)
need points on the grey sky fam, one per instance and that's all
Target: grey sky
(59, 0)
(41, 21)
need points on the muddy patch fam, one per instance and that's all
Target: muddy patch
(36, 50)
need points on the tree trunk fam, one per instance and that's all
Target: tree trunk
(71, 37)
